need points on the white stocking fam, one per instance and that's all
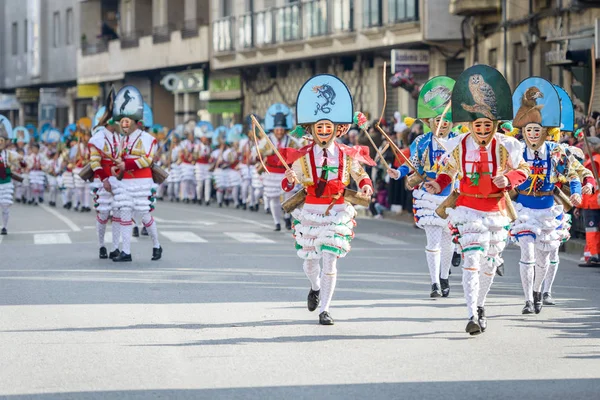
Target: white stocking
(245, 187)
(219, 196)
(432, 252)
(207, 189)
(470, 279)
(552, 269)
(126, 230)
(527, 265)
(312, 269)
(150, 225)
(328, 280)
(447, 251)
(542, 260)
(486, 278)
(116, 230)
(276, 210)
(5, 215)
(101, 221)
(236, 195)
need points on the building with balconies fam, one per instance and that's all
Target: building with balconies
(273, 46)
(38, 63)
(160, 46)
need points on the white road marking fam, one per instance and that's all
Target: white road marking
(108, 238)
(186, 222)
(183, 237)
(54, 238)
(379, 239)
(249, 237)
(34, 232)
(63, 218)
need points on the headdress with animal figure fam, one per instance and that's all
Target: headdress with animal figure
(6, 130)
(537, 107)
(434, 97)
(481, 98)
(21, 134)
(324, 108)
(147, 116)
(128, 108)
(278, 116)
(51, 136)
(203, 129)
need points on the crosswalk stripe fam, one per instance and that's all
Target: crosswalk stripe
(54, 238)
(249, 237)
(108, 237)
(182, 237)
(379, 239)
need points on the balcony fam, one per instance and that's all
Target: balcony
(130, 39)
(474, 7)
(162, 34)
(94, 48)
(223, 35)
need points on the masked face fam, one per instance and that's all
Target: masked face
(2, 143)
(534, 135)
(127, 125)
(279, 133)
(444, 126)
(205, 140)
(483, 130)
(323, 132)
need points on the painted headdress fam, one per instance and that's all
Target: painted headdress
(21, 134)
(481, 92)
(278, 116)
(434, 97)
(6, 130)
(69, 132)
(148, 116)
(535, 101)
(220, 135)
(51, 136)
(128, 104)
(324, 97)
(235, 133)
(567, 111)
(203, 129)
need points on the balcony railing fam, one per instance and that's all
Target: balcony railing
(130, 39)
(89, 49)
(223, 34)
(162, 34)
(190, 28)
(292, 22)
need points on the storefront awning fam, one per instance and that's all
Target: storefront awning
(224, 106)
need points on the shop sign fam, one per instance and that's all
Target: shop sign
(184, 82)
(8, 102)
(86, 91)
(27, 95)
(224, 106)
(225, 84)
(417, 61)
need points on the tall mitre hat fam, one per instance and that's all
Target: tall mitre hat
(434, 97)
(324, 97)
(128, 104)
(567, 111)
(278, 116)
(536, 100)
(481, 92)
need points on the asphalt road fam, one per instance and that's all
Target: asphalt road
(223, 315)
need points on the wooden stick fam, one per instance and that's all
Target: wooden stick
(437, 130)
(387, 146)
(277, 153)
(398, 152)
(387, 166)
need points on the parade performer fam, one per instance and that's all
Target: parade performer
(539, 229)
(486, 165)
(278, 121)
(186, 157)
(426, 151)
(9, 161)
(134, 192)
(79, 158)
(323, 226)
(245, 167)
(37, 178)
(174, 179)
(51, 167)
(219, 164)
(591, 206)
(104, 147)
(232, 156)
(202, 150)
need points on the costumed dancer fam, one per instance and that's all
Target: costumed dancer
(51, 168)
(232, 156)
(9, 161)
(134, 192)
(37, 177)
(219, 164)
(22, 137)
(104, 147)
(487, 166)
(426, 151)
(539, 228)
(278, 121)
(591, 206)
(256, 172)
(244, 166)
(174, 179)
(68, 180)
(324, 225)
(186, 157)
(203, 132)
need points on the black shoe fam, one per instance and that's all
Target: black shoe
(313, 300)
(445, 284)
(277, 227)
(435, 291)
(528, 309)
(122, 257)
(144, 231)
(68, 205)
(103, 253)
(41, 200)
(156, 253)
(208, 203)
(548, 300)
(244, 206)
(288, 223)
(76, 208)
(537, 302)
(500, 270)
(267, 211)
(473, 328)
(226, 203)
(194, 201)
(136, 232)
(3, 232)
(325, 318)
(177, 200)
(456, 259)
(114, 254)
(18, 200)
(220, 205)
(481, 318)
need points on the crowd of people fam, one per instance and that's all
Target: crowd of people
(481, 167)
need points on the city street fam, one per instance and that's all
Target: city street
(223, 315)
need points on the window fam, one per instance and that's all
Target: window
(402, 10)
(226, 8)
(56, 20)
(372, 13)
(15, 38)
(25, 36)
(493, 58)
(69, 26)
(520, 63)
